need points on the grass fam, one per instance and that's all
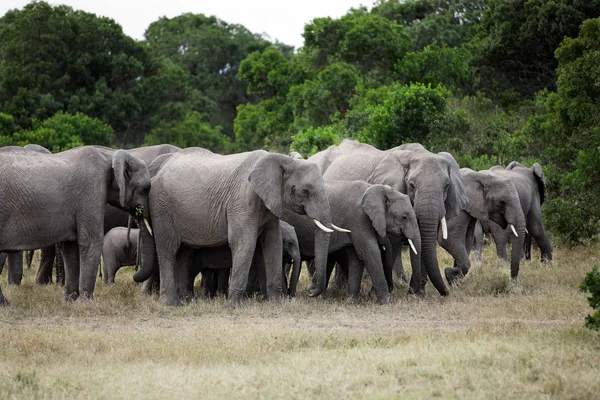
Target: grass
(490, 338)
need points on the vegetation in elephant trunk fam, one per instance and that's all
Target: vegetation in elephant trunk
(428, 216)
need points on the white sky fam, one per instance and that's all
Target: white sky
(280, 19)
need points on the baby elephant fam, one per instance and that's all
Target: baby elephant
(118, 251)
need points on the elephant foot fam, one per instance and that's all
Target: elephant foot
(44, 281)
(172, 301)
(313, 291)
(72, 296)
(420, 293)
(454, 275)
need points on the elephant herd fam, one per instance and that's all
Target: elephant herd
(247, 221)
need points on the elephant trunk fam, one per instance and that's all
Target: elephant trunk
(429, 217)
(147, 250)
(517, 242)
(297, 266)
(321, 246)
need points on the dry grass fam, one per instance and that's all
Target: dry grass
(489, 339)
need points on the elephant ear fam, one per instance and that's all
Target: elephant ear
(475, 187)
(266, 180)
(541, 181)
(124, 165)
(157, 163)
(374, 203)
(392, 170)
(456, 198)
(513, 164)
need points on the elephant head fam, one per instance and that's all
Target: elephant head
(495, 198)
(434, 186)
(297, 185)
(392, 213)
(131, 185)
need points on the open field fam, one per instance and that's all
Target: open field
(488, 339)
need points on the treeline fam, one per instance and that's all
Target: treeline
(490, 81)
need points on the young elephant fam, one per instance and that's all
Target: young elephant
(118, 250)
(370, 212)
(493, 199)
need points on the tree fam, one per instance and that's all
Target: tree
(64, 131)
(57, 59)
(210, 52)
(515, 42)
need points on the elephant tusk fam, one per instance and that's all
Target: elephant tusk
(444, 229)
(526, 231)
(148, 226)
(514, 230)
(337, 228)
(322, 227)
(412, 246)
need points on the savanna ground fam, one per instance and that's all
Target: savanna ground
(489, 339)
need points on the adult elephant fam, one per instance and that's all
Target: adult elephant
(492, 198)
(15, 266)
(370, 212)
(201, 199)
(531, 187)
(113, 216)
(432, 182)
(60, 198)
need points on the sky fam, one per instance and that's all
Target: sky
(281, 20)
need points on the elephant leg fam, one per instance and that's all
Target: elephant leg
(340, 277)
(399, 267)
(60, 267)
(3, 301)
(500, 237)
(527, 249)
(477, 244)
(110, 265)
(371, 256)
(44, 272)
(261, 272)
(89, 259)
(242, 242)
(252, 286)
(540, 236)
(330, 265)
(152, 284)
(29, 258)
(70, 251)
(272, 254)
(310, 267)
(223, 281)
(456, 245)
(3, 257)
(355, 272)
(184, 275)
(15, 268)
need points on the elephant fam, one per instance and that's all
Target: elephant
(492, 198)
(15, 266)
(118, 249)
(371, 212)
(61, 198)
(214, 263)
(201, 199)
(432, 182)
(113, 216)
(531, 187)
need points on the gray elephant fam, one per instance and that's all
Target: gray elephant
(432, 182)
(119, 249)
(494, 199)
(113, 216)
(531, 187)
(61, 198)
(201, 199)
(370, 212)
(15, 266)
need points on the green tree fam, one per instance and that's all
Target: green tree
(58, 59)
(515, 42)
(64, 131)
(312, 140)
(591, 284)
(7, 129)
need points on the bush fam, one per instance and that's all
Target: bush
(591, 284)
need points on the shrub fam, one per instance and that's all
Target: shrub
(591, 284)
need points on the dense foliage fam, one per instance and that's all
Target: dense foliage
(490, 81)
(591, 284)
